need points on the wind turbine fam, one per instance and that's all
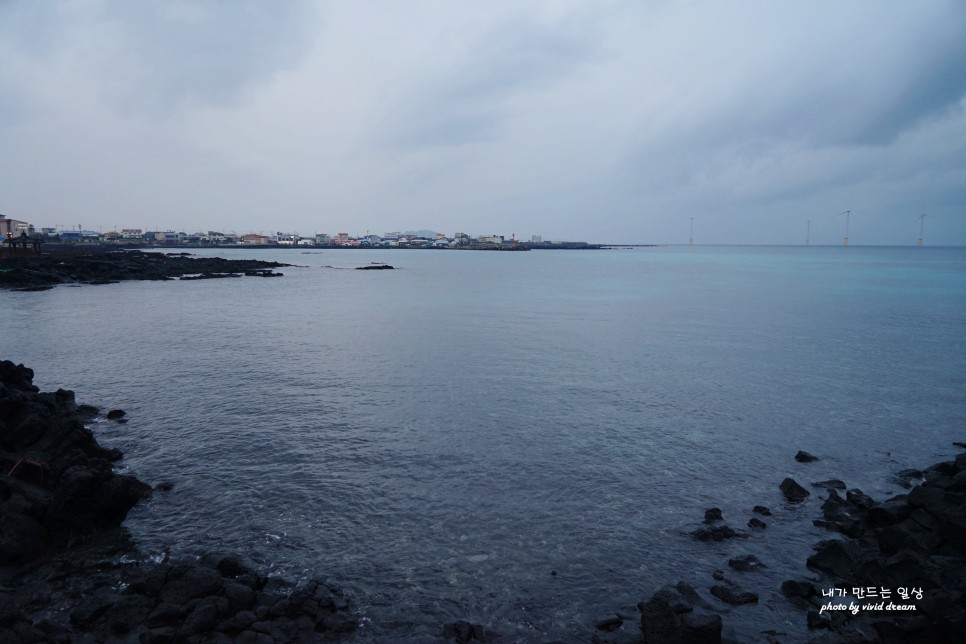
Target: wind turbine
(848, 214)
(691, 238)
(808, 231)
(922, 224)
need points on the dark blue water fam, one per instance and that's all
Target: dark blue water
(443, 438)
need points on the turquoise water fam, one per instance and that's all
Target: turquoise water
(443, 438)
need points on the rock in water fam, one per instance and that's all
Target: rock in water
(711, 515)
(793, 491)
(726, 594)
(748, 563)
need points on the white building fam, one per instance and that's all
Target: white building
(13, 227)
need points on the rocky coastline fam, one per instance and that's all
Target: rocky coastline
(61, 580)
(43, 272)
(893, 571)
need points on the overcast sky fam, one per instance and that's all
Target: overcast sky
(595, 121)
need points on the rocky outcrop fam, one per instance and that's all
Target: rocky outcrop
(57, 486)
(897, 575)
(44, 272)
(910, 549)
(188, 601)
(59, 492)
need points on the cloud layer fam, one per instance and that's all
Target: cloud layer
(614, 121)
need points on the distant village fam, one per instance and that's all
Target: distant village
(13, 228)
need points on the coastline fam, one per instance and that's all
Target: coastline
(43, 272)
(78, 575)
(890, 571)
(68, 571)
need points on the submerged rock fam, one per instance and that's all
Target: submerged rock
(718, 533)
(747, 563)
(610, 624)
(462, 631)
(831, 484)
(734, 597)
(712, 515)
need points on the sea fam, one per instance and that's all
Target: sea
(521, 440)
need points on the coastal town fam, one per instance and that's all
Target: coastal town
(12, 229)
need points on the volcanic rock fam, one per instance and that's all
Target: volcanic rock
(793, 492)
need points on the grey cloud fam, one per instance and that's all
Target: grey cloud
(937, 87)
(157, 56)
(467, 103)
(604, 121)
(210, 54)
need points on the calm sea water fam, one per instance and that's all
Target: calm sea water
(522, 440)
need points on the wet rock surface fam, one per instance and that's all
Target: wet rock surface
(47, 271)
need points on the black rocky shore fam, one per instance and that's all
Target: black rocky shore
(895, 571)
(68, 574)
(42, 272)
